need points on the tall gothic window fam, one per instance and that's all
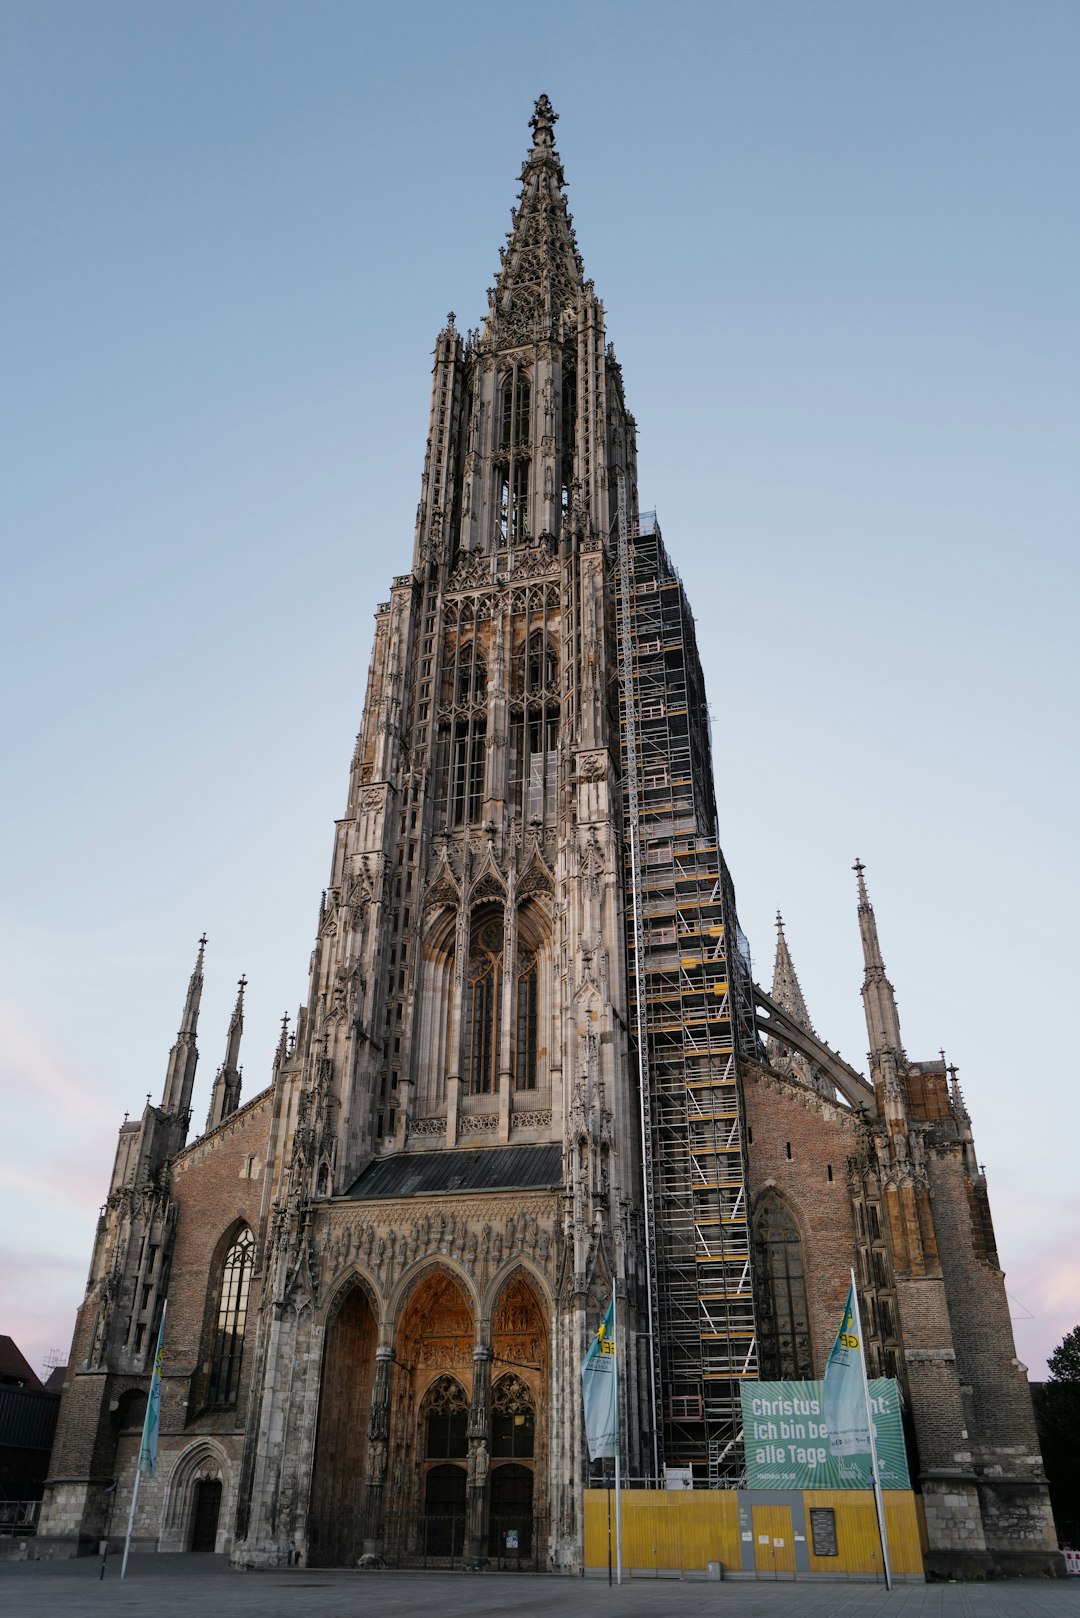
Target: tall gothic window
(483, 1021)
(231, 1322)
(535, 722)
(462, 739)
(514, 435)
(525, 1023)
(783, 1320)
(568, 436)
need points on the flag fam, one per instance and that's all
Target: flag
(844, 1397)
(148, 1447)
(599, 1388)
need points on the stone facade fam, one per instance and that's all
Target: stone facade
(383, 1272)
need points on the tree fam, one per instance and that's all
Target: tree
(1064, 1362)
(1057, 1415)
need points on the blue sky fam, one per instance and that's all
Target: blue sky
(838, 248)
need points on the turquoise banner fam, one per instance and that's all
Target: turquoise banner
(787, 1446)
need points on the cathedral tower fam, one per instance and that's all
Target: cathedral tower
(532, 1064)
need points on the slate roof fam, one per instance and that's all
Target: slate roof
(495, 1168)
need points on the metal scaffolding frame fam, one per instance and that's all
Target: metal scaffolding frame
(692, 1016)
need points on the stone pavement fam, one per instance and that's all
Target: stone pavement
(206, 1587)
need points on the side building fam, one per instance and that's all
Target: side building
(531, 1062)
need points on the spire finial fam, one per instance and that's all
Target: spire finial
(543, 122)
(859, 868)
(779, 923)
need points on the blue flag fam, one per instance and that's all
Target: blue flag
(599, 1388)
(148, 1447)
(844, 1395)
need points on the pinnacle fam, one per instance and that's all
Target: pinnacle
(786, 989)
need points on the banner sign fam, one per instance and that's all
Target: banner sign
(787, 1446)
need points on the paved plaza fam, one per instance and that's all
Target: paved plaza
(206, 1587)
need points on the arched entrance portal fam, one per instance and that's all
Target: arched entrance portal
(338, 1490)
(427, 1485)
(517, 1497)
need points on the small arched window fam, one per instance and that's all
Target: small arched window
(230, 1323)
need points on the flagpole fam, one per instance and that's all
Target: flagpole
(148, 1441)
(131, 1520)
(875, 1477)
(618, 1435)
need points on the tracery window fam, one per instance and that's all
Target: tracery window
(535, 720)
(525, 1023)
(514, 435)
(568, 436)
(470, 684)
(513, 1420)
(231, 1321)
(447, 1420)
(483, 1020)
(783, 1319)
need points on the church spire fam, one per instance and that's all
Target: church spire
(225, 1096)
(879, 998)
(184, 1056)
(541, 266)
(882, 1024)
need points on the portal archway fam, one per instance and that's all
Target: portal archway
(432, 1391)
(336, 1520)
(519, 1420)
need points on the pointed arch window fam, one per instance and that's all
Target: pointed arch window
(568, 437)
(525, 1003)
(513, 1420)
(230, 1326)
(513, 439)
(483, 1021)
(447, 1420)
(470, 684)
(535, 728)
(783, 1318)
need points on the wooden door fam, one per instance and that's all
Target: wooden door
(774, 1547)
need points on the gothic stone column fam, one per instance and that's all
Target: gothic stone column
(378, 1447)
(476, 1528)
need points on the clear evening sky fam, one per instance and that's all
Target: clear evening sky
(837, 245)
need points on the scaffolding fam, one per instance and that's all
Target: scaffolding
(691, 1016)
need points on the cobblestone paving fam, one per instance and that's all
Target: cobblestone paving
(205, 1587)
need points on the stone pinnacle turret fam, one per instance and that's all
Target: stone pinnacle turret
(225, 1097)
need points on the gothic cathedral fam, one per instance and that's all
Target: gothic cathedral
(531, 1065)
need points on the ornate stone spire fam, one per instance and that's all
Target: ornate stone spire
(184, 1056)
(785, 984)
(882, 1026)
(879, 998)
(787, 993)
(541, 267)
(225, 1096)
